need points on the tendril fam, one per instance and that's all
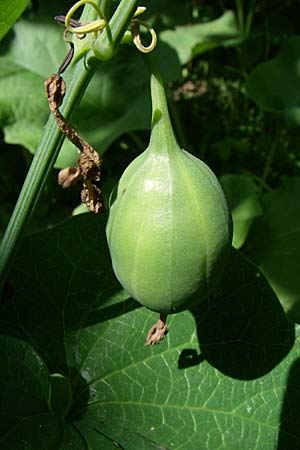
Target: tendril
(136, 36)
(89, 27)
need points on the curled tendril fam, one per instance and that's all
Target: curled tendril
(90, 27)
(136, 36)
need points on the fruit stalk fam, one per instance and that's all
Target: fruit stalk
(161, 126)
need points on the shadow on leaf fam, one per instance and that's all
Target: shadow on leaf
(62, 283)
(189, 358)
(242, 330)
(289, 432)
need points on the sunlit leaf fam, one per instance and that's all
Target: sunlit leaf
(241, 193)
(219, 378)
(191, 40)
(10, 11)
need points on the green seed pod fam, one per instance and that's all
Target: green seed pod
(169, 229)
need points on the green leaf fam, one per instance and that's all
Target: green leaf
(117, 100)
(34, 54)
(218, 380)
(274, 244)
(10, 11)
(241, 193)
(274, 85)
(191, 40)
(26, 422)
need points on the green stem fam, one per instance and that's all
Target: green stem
(240, 14)
(161, 126)
(42, 164)
(106, 8)
(52, 139)
(107, 43)
(249, 18)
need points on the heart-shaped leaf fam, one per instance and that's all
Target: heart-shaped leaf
(218, 379)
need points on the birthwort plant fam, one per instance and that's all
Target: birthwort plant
(75, 371)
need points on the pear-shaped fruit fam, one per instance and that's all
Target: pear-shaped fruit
(169, 229)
